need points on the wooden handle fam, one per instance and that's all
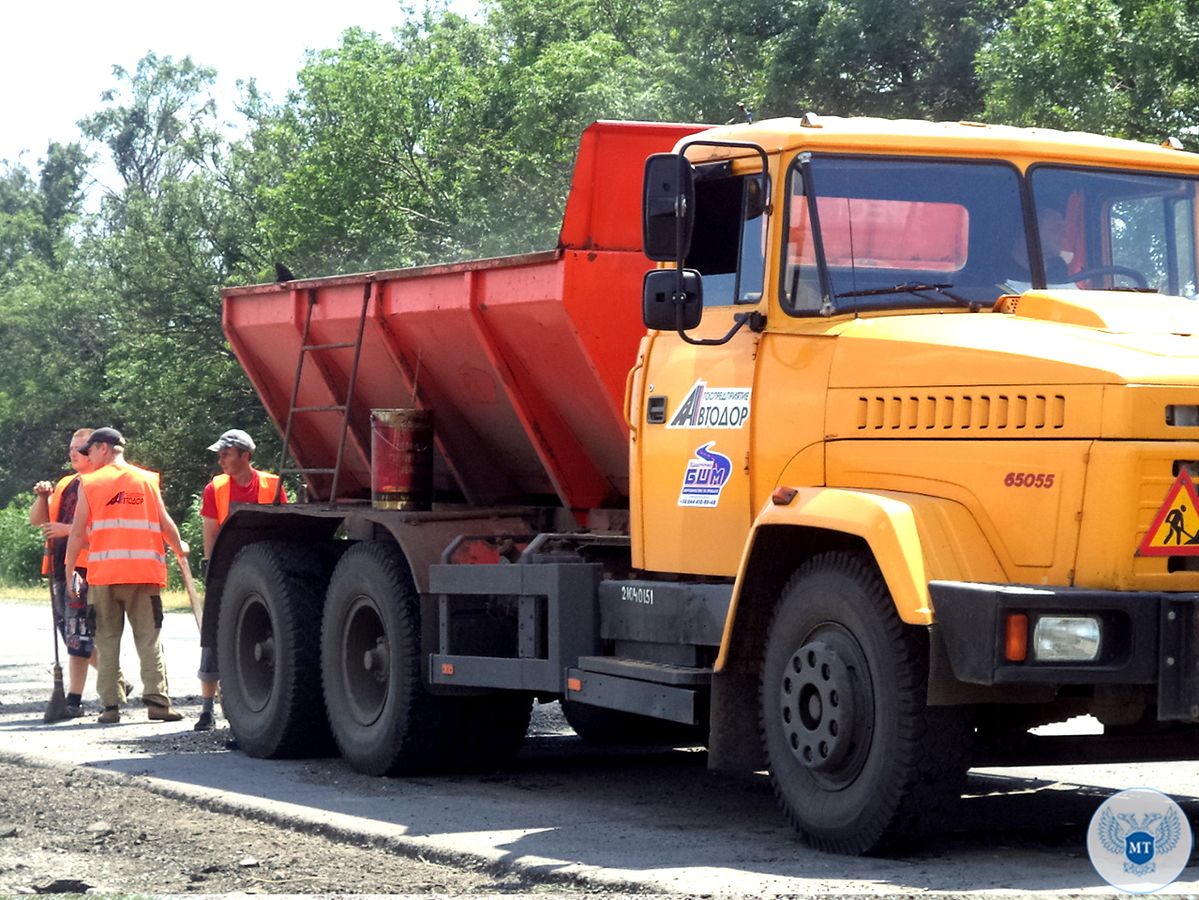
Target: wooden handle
(189, 585)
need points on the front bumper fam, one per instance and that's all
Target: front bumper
(1147, 638)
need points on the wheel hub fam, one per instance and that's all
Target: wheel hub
(377, 660)
(264, 651)
(818, 709)
(365, 661)
(254, 652)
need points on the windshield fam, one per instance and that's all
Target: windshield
(1116, 229)
(908, 233)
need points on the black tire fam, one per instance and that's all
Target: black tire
(608, 727)
(858, 762)
(383, 718)
(269, 651)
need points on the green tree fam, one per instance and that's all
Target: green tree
(1121, 67)
(449, 139)
(20, 221)
(166, 240)
(21, 544)
(51, 338)
(893, 58)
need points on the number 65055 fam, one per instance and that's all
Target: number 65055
(1028, 479)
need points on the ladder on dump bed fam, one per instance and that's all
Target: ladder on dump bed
(342, 408)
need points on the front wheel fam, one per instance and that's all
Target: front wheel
(858, 762)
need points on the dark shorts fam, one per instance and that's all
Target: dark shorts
(76, 626)
(208, 667)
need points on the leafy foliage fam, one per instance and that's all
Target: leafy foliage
(1122, 67)
(21, 544)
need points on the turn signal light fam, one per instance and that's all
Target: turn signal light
(783, 495)
(447, 668)
(574, 684)
(1015, 640)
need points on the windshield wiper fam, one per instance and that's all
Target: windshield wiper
(913, 287)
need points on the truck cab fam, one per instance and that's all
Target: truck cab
(947, 365)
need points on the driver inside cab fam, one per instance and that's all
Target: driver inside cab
(1051, 226)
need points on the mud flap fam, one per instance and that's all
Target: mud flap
(1178, 673)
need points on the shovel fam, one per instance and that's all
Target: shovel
(189, 585)
(56, 709)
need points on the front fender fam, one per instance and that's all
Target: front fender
(913, 539)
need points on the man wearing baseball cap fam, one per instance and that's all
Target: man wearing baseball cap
(239, 482)
(122, 520)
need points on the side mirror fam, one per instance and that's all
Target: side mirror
(659, 308)
(668, 207)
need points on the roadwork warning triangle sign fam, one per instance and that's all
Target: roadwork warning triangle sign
(1175, 528)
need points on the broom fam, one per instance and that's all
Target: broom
(56, 709)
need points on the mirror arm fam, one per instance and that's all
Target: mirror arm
(755, 320)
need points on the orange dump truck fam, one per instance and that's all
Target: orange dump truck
(893, 467)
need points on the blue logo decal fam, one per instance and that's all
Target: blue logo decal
(1128, 835)
(707, 474)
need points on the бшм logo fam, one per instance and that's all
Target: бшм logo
(1139, 840)
(706, 475)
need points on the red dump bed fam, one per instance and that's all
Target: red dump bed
(522, 359)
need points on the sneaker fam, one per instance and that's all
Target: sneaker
(110, 716)
(74, 711)
(163, 714)
(205, 722)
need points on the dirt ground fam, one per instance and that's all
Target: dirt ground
(70, 830)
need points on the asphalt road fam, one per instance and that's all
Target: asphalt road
(656, 819)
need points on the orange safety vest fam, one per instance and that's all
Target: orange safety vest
(125, 544)
(222, 490)
(55, 504)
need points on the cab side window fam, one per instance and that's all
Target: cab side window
(728, 245)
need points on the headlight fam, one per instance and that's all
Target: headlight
(1066, 639)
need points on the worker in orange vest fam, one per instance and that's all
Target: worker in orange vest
(52, 511)
(239, 482)
(122, 520)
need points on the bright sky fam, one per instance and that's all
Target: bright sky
(56, 56)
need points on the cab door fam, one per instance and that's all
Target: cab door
(691, 447)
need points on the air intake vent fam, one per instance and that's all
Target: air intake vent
(947, 413)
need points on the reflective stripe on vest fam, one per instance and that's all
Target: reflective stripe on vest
(127, 523)
(129, 554)
(125, 541)
(222, 491)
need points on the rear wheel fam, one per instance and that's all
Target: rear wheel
(267, 642)
(383, 718)
(859, 763)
